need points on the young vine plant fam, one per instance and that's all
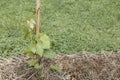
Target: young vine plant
(38, 44)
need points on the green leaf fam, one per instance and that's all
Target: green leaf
(54, 67)
(45, 41)
(33, 47)
(28, 52)
(37, 66)
(39, 49)
(32, 62)
(27, 34)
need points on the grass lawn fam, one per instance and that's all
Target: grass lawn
(73, 25)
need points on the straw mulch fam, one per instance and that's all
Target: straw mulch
(81, 66)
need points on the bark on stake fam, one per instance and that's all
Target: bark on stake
(37, 16)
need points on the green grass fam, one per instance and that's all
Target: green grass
(73, 25)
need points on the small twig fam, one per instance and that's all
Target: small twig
(32, 75)
(21, 76)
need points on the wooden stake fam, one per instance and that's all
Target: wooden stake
(37, 16)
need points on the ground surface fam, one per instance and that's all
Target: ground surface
(81, 66)
(73, 25)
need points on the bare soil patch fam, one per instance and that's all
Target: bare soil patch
(81, 66)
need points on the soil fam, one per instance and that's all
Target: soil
(80, 66)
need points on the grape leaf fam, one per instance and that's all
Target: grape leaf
(37, 66)
(39, 49)
(45, 41)
(32, 62)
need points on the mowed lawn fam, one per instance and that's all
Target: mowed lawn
(73, 25)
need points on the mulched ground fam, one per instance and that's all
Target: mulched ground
(81, 66)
